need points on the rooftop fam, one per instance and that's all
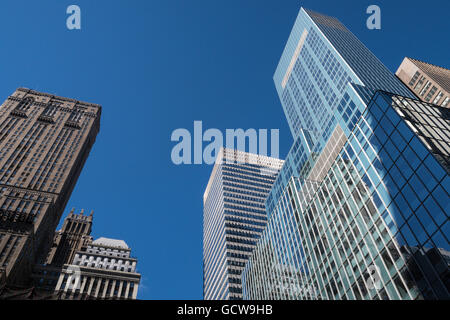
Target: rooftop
(438, 74)
(111, 243)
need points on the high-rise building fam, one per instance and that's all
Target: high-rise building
(103, 269)
(74, 235)
(360, 207)
(430, 83)
(233, 218)
(44, 143)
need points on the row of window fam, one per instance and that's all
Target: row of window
(421, 89)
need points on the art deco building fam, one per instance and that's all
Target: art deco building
(233, 218)
(360, 208)
(44, 143)
(430, 83)
(74, 235)
(103, 269)
(75, 257)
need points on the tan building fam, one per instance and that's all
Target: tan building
(429, 83)
(44, 143)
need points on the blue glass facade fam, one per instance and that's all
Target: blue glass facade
(312, 79)
(360, 208)
(383, 203)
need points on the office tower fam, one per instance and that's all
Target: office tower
(320, 58)
(233, 218)
(430, 83)
(381, 206)
(44, 143)
(360, 207)
(103, 269)
(74, 235)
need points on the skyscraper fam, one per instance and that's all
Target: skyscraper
(429, 82)
(360, 207)
(44, 143)
(74, 235)
(233, 218)
(104, 269)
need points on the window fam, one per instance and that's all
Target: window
(414, 78)
(431, 93)
(425, 89)
(438, 97)
(445, 103)
(420, 83)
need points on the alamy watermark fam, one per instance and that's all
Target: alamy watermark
(74, 279)
(374, 279)
(73, 21)
(374, 20)
(190, 149)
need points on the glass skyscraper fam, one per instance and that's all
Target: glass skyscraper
(360, 207)
(233, 218)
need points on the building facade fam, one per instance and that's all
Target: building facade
(103, 269)
(44, 143)
(430, 83)
(74, 235)
(78, 268)
(360, 207)
(233, 218)
(382, 206)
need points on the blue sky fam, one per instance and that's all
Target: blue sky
(158, 65)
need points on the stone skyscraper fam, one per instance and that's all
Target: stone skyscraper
(233, 218)
(74, 235)
(44, 143)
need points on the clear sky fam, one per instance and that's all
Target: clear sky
(158, 65)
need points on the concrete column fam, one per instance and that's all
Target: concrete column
(111, 294)
(105, 292)
(127, 289)
(83, 284)
(69, 281)
(97, 289)
(60, 281)
(135, 290)
(91, 283)
(120, 289)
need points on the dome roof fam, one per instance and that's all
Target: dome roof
(111, 243)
